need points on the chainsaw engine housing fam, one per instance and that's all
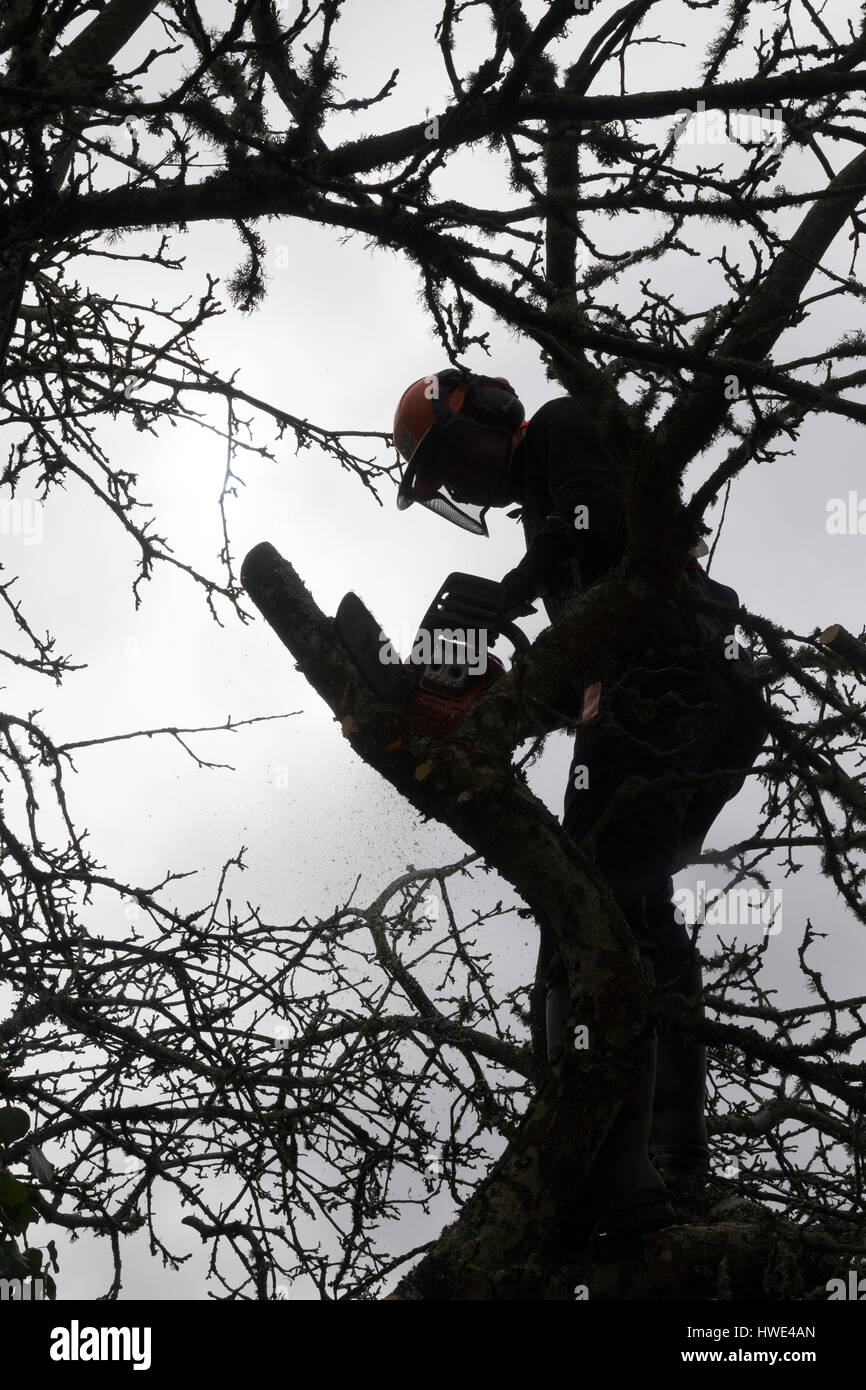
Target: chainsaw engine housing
(446, 692)
(449, 667)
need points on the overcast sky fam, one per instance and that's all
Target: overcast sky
(339, 337)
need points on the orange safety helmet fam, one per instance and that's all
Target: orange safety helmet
(434, 406)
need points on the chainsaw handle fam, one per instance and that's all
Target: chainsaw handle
(467, 600)
(516, 636)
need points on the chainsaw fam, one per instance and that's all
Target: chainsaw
(449, 666)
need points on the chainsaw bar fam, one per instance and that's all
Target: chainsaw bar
(363, 638)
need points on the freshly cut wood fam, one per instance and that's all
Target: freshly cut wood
(849, 648)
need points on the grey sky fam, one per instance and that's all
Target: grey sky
(340, 335)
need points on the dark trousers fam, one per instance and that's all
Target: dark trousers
(663, 715)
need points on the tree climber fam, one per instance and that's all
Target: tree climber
(666, 710)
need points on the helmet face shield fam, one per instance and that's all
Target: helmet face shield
(468, 517)
(459, 471)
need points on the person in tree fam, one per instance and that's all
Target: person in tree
(653, 706)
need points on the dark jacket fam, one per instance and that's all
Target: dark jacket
(564, 466)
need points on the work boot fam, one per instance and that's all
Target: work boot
(679, 1144)
(632, 1193)
(625, 1193)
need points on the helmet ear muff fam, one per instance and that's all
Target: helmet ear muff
(493, 401)
(449, 379)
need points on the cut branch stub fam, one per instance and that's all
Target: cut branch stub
(843, 644)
